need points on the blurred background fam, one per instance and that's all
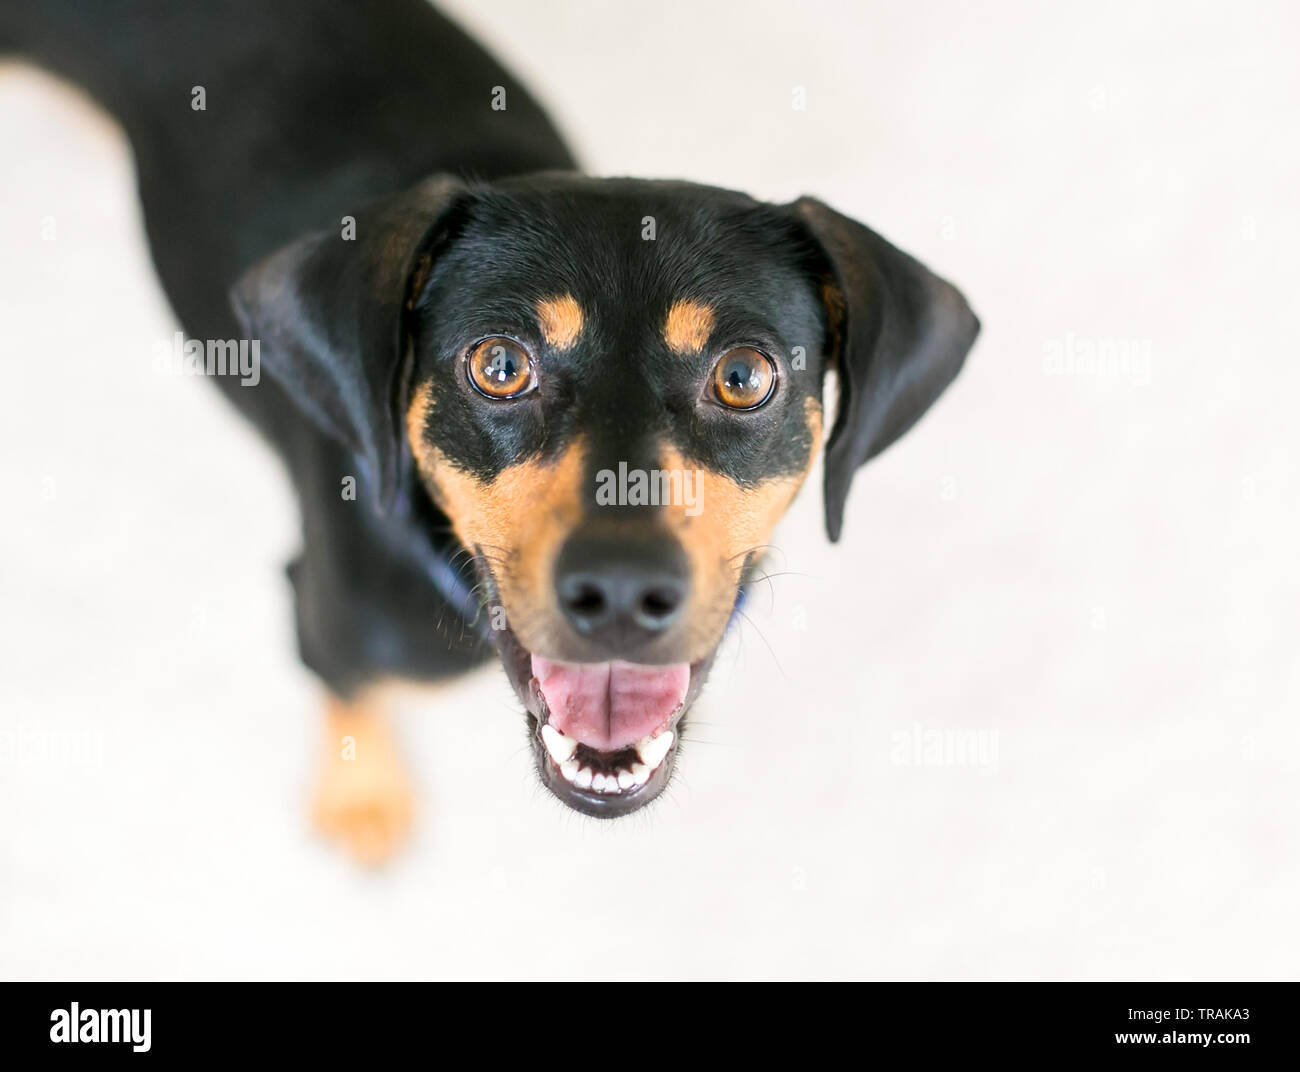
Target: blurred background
(1035, 716)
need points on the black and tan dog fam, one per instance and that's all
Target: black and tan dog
(574, 407)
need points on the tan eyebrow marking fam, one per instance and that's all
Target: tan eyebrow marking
(688, 326)
(561, 320)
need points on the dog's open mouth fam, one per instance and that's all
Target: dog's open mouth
(609, 726)
(605, 735)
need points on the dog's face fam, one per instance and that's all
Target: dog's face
(616, 393)
(612, 389)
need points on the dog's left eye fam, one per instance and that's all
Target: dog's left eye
(743, 378)
(501, 368)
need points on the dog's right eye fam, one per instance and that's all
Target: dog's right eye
(501, 368)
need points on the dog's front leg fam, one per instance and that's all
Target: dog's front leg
(364, 799)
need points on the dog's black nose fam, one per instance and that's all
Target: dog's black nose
(624, 592)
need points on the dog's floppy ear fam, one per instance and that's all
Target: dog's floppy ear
(899, 335)
(329, 313)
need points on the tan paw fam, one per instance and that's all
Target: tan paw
(363, 800)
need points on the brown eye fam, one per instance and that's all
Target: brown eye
(501, 368)
(743, 378)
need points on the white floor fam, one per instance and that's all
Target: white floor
(1090, 576)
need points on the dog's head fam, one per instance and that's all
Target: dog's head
(613, 390)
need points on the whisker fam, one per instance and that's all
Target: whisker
(770, 650)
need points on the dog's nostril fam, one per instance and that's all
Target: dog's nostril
(586, 600)
(659, 604)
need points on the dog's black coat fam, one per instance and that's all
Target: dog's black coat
(381, 111)
(313, 110)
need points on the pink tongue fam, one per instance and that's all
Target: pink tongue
(608, 706)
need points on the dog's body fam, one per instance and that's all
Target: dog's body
(310, 112)
(478, 349)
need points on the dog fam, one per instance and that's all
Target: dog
(525, 411)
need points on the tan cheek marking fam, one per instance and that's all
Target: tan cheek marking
(731, 520)
(519, 519)
(688, 326)
(561, 321)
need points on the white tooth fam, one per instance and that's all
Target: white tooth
(640, 773)
(625, 780)
(560, 746)
(569, 768)
(652, 750)
(583, 778)
(600, 783)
